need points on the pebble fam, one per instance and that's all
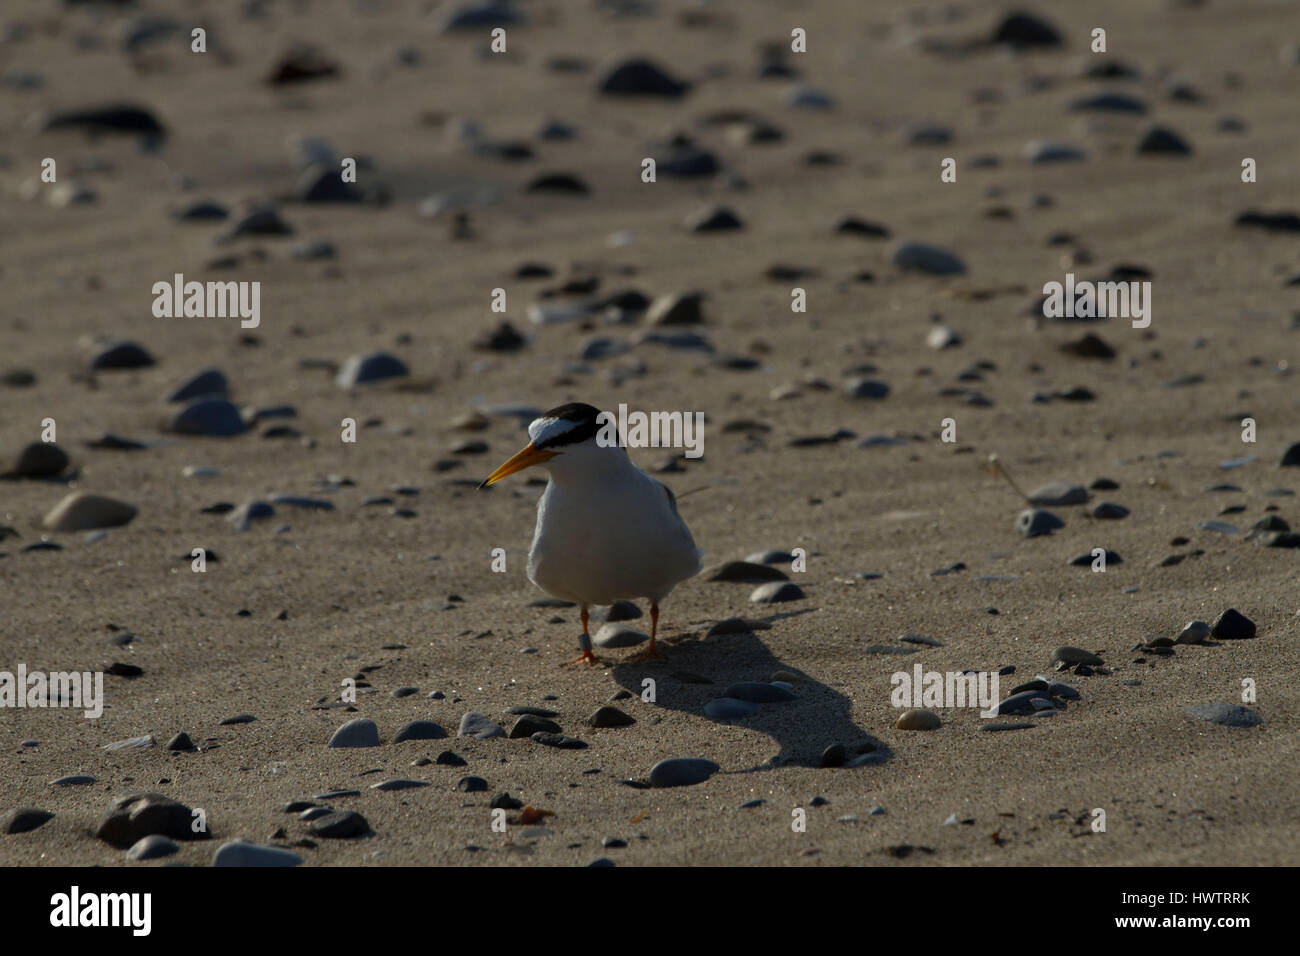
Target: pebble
(118, 118)
(244, 516)
(748, 571)
(758, 692)
(1227, 715)
(559, 741)
(1232, 625)
(370, 367)
(419, 730)
(1194, 633)
(1024, 31)
(340, 825)
(1076, 655)
(621, 611)
(1160, 140)
(134, 816)
(152, 847)
(678, 308)
(474, 724)
(209, 382)
(729, 708)
(809, 98)
(75, 780)
(1059, 494)
(915, 256)
(866, 388)
(619, 635)
(713, 219)
(450, 759)
(471, 785)
(682, 772)
(608, 716)
(358, 732)
(24, 820)
(40, 459)
(919, 720)
(1109, 511)
(209, 416)
(241, 853)
(997, 726)
(776, 592)
(399, 784)
(641, 77)
(82, 511)
(1291, 457)
(1033, 522)
(1044, 151)
(1086, 559)
(262, 221)
(528, 725)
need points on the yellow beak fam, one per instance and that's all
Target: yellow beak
(525, 458)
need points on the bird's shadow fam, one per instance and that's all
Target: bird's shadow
(698, 669)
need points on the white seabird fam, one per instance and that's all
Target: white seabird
(606, 531)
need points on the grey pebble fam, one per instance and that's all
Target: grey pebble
(241, 853)
(1227, 715)
(775, 592)
(729, 708)
(419, 730)
(682, 771)
(474, 724)
(152, 847)
(358, 732)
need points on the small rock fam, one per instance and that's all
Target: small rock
(918, 720)
(81, 511)
(358, 732)
(682, 772)
(775, 592)
(239, 853)
(1231, 625)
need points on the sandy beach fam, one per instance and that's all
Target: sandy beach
(841, 430)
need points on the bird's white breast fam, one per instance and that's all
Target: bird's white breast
(600, 541)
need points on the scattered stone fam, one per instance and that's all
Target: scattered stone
(471, 785)
(209, 416)
(24, 820)
(729, 708)
(210, 382)
(340, 825)
(921, 257)
(399, 784)
(82, 511)
(1231, 625)
(559, 741)
(619, 635)
(40, 459)
(757, 692)
(240, 853)
(1025, 31)
(528, 725)
(419, 730)
(1160, 140)
(371, 367)
(121, 355)
(1076, 655)
(137, 815)
(682, 772)
(640, 77)
(1226, 715)
(747, 571)
(358, 732)
(918, 720)
(474, 724)
(776, 592)
(1059, 494)
(1086, 559)
(152, 847)
(713, 219)
(684, 308)
(1109, 511)
(1033, 522)
(610, 717)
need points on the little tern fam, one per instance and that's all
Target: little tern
(606, 530)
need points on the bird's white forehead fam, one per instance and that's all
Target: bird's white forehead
(543, 430)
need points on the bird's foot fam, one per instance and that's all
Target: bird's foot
(651, 653)
(586, 657)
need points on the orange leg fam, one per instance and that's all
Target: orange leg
(651, 652)
(584, 642)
